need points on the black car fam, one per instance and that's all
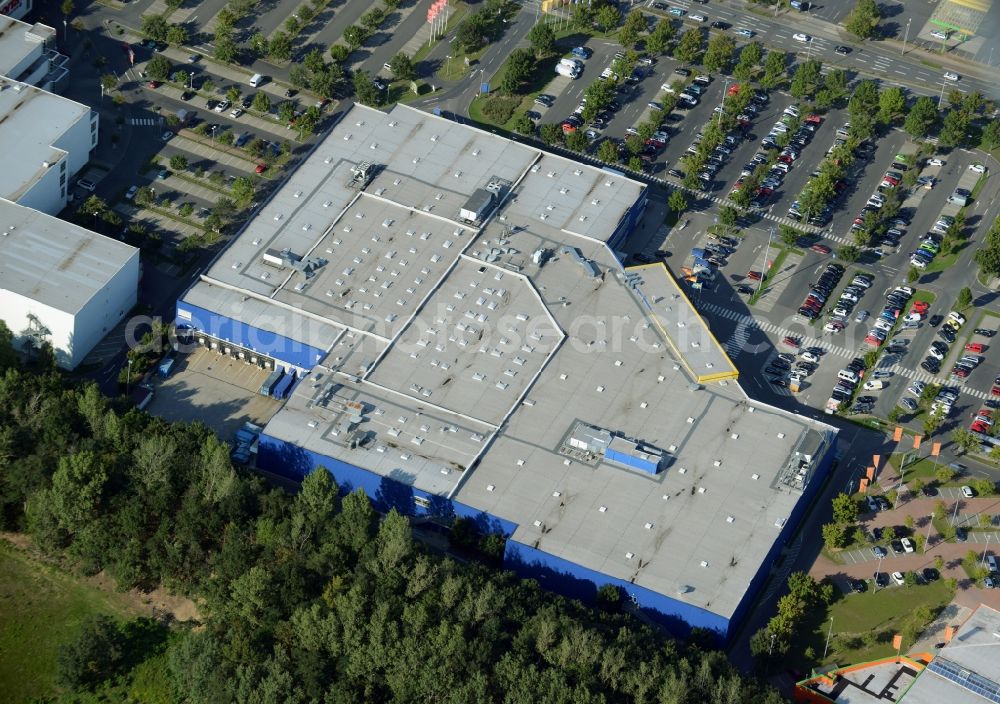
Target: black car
(778, 382)
(930, 364)
(745, 290)
(961, 535)
(935, 320)
(291, 93)
(930, 574)
(721, 25)
(842, 50)
(675, 173)
(857, 585)
(929, 490)
(985, 332)
(881, 579)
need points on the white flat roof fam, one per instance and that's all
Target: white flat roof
(474, 350)
(33, 121)
(55, 262)
(18, 40)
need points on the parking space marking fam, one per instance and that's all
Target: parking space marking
(749, 322)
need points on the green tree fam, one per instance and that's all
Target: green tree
(892, 105)
(806, 80)
(719, 56)
(912, 275)
(690, 46)
(365, 90)
(280, 46)
(158, 67)
(109, 82)
(774, 69)
(542, 39)
(355, 36)
(226, 50)
(177, 35)
(93, 655)
(154, 27)
(964, 298)
(659, 39)
(520, 65)
(233, 94)
(67, 7)
(599, 96)
(845, 509)
(339, 53)
(835, 535)
(748, 62)
(178, 162)
(402, 67)
(635, 24)
(990, 137)
(863, 20)
(261, 102)
(954, 128)
(550, 133)
(607, 17)
(983, 486)
(921, 118)
(677, 201)
(373, 19)
(524, 124)
(848, 253)
(607, 152)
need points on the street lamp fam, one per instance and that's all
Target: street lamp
(763, 268)
(128, 378)
(723, 106)
(448, 57)
(906, 36)
(191, 80)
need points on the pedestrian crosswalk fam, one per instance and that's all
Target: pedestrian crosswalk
(749, 322)
(144, 121)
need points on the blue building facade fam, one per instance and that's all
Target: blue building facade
(191, 318)
(554, 573)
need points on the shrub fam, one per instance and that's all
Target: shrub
(499, 109)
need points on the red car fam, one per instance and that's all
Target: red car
(921, 306)
(995, 390)
(975, 347)
(733, 90)
(873, 341)
(261, 168)
(979, 427)
(153, 84)
(785, 159)
(891, 179)
(755, 275)
(791, 341)
(821, 248)
(814, 119)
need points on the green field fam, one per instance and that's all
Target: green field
(40, 607)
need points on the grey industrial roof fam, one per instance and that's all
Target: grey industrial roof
(55, 262)
(489, 346)
(973, 658)
(18, 40)
(33, 121)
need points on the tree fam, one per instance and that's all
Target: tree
(922, 117)
(806, 80)
(550, 133)
(94, 654)
(520, 65)
(158, 67)
(542, 39)
(845, 509)
(177, 35)
(354, 36)
(719, 56)
(848, 253)
(677, 201)
(964, 298)
(178, 162)
(474, 31)
(233, 94)
(599, 95)
(339, 53)
(607, 152)
(577, 141)
(892, 104)
(659, 39)
(635, 24)
(373, 19)
(402, 67)
(747, 64)
(954, 128)
(280, 46)
(863, 20)
(835, 535)
(774, 69)
(990, 137)
(226, 50)
(788, 235)
(524, 124)
(154, 27)
(365, 90)
(67, 7)
(261, 102)
(983, 486)
(608, 17)
(835, 83)
(109, 82)
(689, 47)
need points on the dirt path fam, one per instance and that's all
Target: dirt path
(158, 603)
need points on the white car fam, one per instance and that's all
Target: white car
(978, 168)
(951, 76)
(792, 111)
(897, 577)
(967, 492)
(938, 34)
(935, 162)
(916, 388)
(236, 113)
(800, 37)
(167, 136)
(668, 88)
(809, 357)
(697, 18)
(881, 324)
(130, 193)
(908, 545)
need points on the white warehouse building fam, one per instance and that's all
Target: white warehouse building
(61, 283)
(45, 139)
(28, 54)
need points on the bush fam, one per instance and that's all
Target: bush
(93, 655)
(499, 109)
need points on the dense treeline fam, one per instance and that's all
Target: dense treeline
(312, 597)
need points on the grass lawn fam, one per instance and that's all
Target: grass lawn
(40, 606)
(775, 267)
(882, 613)
(543, 73)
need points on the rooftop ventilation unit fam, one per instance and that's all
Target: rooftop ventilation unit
(361, 175)
(287, 258)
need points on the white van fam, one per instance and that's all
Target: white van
(873, 384)
(847, 375)
(256, 80)
(572, 63)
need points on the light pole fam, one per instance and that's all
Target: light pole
(878, 571)
(723, 106)
(941, 97)
(763, 268)
(927, 540)
(191, 80)
(128, 377)
(982, 563)
(828, 635)
(906, 36)
(448, 57)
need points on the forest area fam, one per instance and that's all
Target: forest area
(311, 597)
